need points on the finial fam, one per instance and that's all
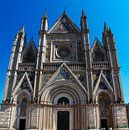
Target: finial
(23, 29)
(45, 14)
(105, 26)
(64, 10)
(83, 12)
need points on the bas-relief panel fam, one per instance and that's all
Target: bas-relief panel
(60, 37)
(34, 117)
(5, 118)
(120, 116)
(91, 117)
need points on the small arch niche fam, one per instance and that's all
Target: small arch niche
(63, 101)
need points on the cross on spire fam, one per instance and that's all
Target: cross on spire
(64, 9)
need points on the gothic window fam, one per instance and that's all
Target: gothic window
(63, 101)
(23, 107)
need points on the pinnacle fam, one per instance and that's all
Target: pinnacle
(45, 14)
(23, 29)
(105, 26)
(83, 13)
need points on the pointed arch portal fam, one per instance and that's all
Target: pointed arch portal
(105, 111)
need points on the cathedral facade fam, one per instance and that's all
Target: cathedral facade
(64, 84)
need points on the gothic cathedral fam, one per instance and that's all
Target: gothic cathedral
(64, 84)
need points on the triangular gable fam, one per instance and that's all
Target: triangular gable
(64, 73)
(98, 52)
(30, 52)
(31, 45)
(96, 44)
(64, 25)
(102, 83)
(25, 78)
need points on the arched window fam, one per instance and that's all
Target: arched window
(23, 107)
(63, 101)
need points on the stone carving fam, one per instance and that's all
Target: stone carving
(58, 37)
(5, 118)
(120, 116)
(34, 117)
(91, 116)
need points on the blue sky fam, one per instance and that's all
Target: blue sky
(16, 13)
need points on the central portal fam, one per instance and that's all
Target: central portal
(63, 120)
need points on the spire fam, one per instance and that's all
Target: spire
(44, 24)
(107, 30)
(21, 32)
(105, 27)
(83, 13)
(45, 14)
(84, 24)
(23, 29)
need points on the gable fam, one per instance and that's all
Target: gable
(64, 73)
(98, 52)
(24, 83)
(102, 84)
(64, 25)
(30, 53)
